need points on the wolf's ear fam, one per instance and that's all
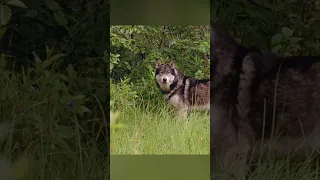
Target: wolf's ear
(217, 34)
(172, 65)
(158, 63)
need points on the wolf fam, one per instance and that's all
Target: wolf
(183, 92)
(260, 101)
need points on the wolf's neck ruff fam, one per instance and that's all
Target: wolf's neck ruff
(173, 88)
(177, 86)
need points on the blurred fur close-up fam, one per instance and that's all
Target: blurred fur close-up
(265, 72)
(155, 71)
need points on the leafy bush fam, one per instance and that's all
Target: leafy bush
(285, 27)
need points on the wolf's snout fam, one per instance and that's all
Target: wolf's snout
(164, 79)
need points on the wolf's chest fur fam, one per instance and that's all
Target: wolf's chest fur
(175, 100)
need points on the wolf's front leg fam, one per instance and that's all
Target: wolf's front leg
(228, 148)
(236, 161)
(182, 113)
(229, 161)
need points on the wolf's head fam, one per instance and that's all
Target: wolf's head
(224, 50)
(227, 55)
(166, 75)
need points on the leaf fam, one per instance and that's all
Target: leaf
(16, 3)
(64, 132)
(48, 52)
(57, 56)
(65, 146)
(276, 48)
(173, 41)
(288, 54)
(287, 32)
(64, 78)
(60, 18)
(36, 58)
(71, 72)
(111, 67)
(276, 39)
(128, 65)
(48, 62)
(295, 39)
(52, 5)
(2, 31)
(81, 96)
(84, 109)
(32, 13)
(310, 44)
(5, 14)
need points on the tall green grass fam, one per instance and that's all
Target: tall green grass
(50, 132)
(150, 126)
(289, 166)
(296, 164)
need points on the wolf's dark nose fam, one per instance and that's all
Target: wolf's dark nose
(164, 79)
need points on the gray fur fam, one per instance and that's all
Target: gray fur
(245, 82)
(184, 93)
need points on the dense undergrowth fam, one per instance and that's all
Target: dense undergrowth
(54, 89)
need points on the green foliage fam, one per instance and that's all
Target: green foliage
(47, 118)
(135, 49)
(73, 28)
(145, 118)
(122, 95)
(285, 27)
(6, 11)
(53, 98)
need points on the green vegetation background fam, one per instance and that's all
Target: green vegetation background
(145, 123)
(53, 89)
